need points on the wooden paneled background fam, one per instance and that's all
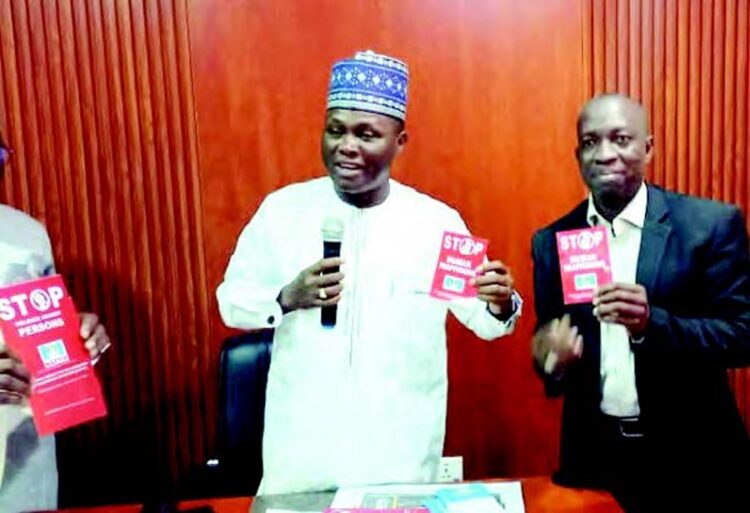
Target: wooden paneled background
(687, 61)
(146, 132)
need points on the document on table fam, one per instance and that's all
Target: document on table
(508, 495)
(275, 510)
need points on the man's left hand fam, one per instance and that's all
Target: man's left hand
(625, 304)
(494, 283)
(94, 335)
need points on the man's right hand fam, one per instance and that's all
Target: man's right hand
(14, 379)
(557, 345)
(312, 289)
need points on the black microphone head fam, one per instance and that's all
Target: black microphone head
(332, 229)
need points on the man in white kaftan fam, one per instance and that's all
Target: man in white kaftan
(363, 402)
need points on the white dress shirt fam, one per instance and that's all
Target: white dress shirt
(619, 393)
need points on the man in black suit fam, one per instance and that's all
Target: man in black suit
(648, 413)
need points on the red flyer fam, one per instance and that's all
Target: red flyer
(584, 263)
(39, 322)
(460, 254)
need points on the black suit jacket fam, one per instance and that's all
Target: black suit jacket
(695, 266)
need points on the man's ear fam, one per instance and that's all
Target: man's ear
(649, 148)
(401, 140)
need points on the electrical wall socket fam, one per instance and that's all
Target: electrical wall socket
(451, 469)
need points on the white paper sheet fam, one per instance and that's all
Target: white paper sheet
(508, 494)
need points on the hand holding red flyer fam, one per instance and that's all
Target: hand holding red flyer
(460, 255)
(39, 322)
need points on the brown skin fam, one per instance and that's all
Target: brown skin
(614, 148)
(5, 153)
(560, 338)
(358, 149)
(14, 377)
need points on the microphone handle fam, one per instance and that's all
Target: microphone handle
(328, 313)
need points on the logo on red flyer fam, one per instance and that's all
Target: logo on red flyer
(35, 302)
(464, 245)
(584, 240)
(53, 353)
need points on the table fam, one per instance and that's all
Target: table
(541, 495)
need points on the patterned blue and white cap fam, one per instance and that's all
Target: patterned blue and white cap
(371, 82)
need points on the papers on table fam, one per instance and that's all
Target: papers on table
(508, 496)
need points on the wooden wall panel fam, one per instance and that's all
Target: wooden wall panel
(495, 86)
(96, 99)
(688, 63)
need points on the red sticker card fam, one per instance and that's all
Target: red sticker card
(584, 263)
(460, 255)
(39, 322)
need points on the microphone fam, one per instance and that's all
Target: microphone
(332, 232)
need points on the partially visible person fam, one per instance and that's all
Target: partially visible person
(648, 413)
(29, 469)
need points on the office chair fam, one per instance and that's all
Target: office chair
(238, 466)
(243, 374)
